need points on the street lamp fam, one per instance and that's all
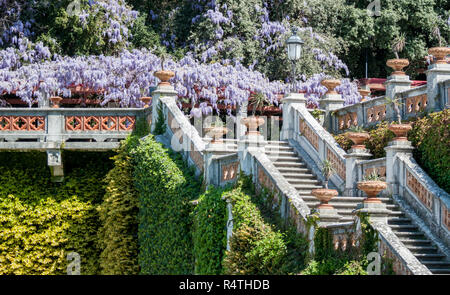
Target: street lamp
(294, 49)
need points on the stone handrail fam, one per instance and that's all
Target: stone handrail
(428, 200)
(181, 135)
(390, 246)
(67, 128)
(319, 144)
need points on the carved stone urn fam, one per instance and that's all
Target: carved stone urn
(252, 123)
(217, 134)
(397, 64)
(358, 138)
(324, 195)
(146, 100)
(372, 188)
(440, 53)
(364, 93)
(330, 84)
(164, 76)
(400, 131)
(55, 100)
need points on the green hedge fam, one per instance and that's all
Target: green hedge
(118, 215)
(165, 187)
(259, 244)
(209, 232)
(430, 135)
(40, 221)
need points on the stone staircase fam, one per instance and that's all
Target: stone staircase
(295, 171)
(416, 241)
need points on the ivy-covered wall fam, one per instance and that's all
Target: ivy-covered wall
(40, 221)
(165, 187)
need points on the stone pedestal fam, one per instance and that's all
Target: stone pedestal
(396, 83)
(249, 143)
(241, 112)
(211, 171)
(351, 173)
(54, 161)
(435, 74)
(377, 211)
(329, 103)
(328, 216)
(162, 91)
(289, 101)
(392, 150)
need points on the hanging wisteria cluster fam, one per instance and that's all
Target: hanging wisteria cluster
(28, 70)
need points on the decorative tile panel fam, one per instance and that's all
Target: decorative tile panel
(376, 113)
(417, 103)
(381, 171)
(309, 134)
(229, 171)
(196, 157)
(100, 123)
(22, 123)
(419, 190)
(338, 165)
(348, 120)
(397, 266)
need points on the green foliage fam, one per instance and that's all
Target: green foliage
(165, 187)
(209, 232)
(430, 137)
(257, 246)
(160, 125)
(118, 215)
(343, 141)
(40, 221)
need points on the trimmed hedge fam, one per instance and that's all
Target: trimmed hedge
(209, 232)
(430, 135)
(165, 187)
(40, 221)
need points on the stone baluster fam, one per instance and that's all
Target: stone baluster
(330, 101)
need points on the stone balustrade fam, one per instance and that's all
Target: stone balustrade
(429, 202)
(319, 145)
(72, 128)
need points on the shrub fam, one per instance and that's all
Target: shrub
(379, 138)
(256, 246)
(430, 137)
(209, 232)
(40, 221)
(118, 215)
(165, 186)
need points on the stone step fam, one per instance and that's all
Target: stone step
(278, 142)
(305, 180)
(438, 271)
(285, 159)
(304, 187)
(278, 148)
(409, 234)
(398, 220)
(283, 153)
(289, 164)
(403, 227)
(339, 199)
(421, 243)
(336, 205)
(294, 172)
(429, 256)
(441, 265)
(300, 176)
(396, 214)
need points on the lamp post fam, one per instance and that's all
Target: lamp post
(294, 50)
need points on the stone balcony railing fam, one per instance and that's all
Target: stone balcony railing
(72, 128)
